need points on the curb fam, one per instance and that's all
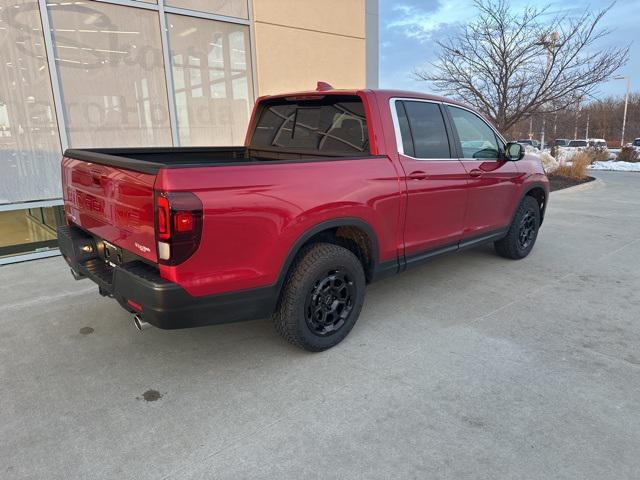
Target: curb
(597, 183)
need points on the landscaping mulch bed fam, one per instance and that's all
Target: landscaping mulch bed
(558, 182)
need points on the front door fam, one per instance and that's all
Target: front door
(435, 181)
(492, 180)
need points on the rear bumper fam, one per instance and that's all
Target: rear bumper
(164, 304)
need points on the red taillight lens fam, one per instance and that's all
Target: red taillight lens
(183, 222)
(163, 213)
(178, 226)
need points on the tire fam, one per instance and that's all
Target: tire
(321, 298)
(523, 231)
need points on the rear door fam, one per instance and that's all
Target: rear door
(114, 204)
(492, 179)
(435, 181)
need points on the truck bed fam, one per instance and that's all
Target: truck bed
(152, 159)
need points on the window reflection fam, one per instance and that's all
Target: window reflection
(229, 8)
(29, 141)
(336, 125)
(29, 230)
(212, 80)
(111, 72)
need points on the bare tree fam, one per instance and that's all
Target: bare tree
(512, 64)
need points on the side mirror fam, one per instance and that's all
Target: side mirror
(514, 151)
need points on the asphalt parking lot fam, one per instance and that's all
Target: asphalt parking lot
(470, 367)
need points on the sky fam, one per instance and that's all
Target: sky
(409, 29)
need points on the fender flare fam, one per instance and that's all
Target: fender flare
(527, 190)
(326, 225)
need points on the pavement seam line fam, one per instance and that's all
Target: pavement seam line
(612, 357)
(37, 300)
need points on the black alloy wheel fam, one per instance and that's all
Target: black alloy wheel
(527, 230)
(330, 302)
(321, 298)
(523, 231)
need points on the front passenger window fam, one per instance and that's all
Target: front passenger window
(477, 139)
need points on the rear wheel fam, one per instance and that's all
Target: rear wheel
(523, 231)
(321, 298)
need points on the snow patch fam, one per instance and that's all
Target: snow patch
(548, 162)
(564, 155)
(616, 166)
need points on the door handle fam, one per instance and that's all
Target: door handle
(418, 175)
(475, 173)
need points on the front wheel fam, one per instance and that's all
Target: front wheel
(321, 298)
(523, 231)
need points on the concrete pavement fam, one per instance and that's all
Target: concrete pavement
(470, 367)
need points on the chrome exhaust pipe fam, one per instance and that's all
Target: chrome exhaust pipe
(139, 323)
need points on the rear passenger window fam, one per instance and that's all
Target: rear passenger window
(405, 131)
(427, 129)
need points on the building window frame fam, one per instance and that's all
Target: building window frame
(162, 10)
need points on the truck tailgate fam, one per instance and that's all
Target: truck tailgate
(112, 203)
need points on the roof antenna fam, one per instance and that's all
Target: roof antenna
(323, 87)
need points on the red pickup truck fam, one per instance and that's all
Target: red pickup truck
(333, 189)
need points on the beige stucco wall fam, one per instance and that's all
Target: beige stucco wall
(299, 42)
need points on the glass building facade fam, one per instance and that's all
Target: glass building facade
(115, 73)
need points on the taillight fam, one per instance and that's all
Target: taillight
(163, 214)
(178, 226)
(183, 221)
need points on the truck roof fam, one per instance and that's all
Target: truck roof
(378, 92)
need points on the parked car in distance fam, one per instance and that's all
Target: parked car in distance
(561, 142)
(575, 146)
(332, 190)
(531, 143)
(597, 143)
(636, 144)
(578, 144)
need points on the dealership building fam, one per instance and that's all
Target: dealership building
(128, 73)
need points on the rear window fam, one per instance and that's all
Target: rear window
(330, 125)
(577, 143)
